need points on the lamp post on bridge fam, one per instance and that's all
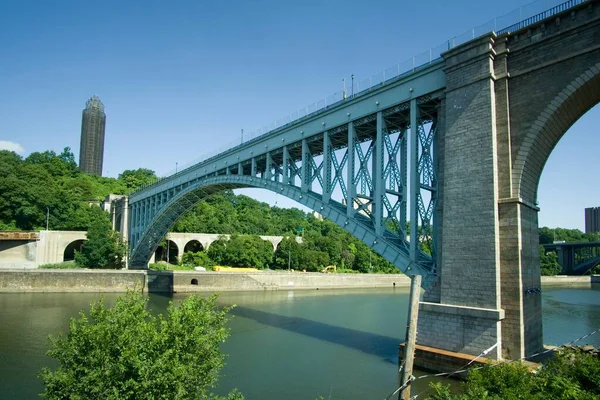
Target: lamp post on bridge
(352, 85)
(242, 136)
(47, 217)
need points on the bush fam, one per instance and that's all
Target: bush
(199, 259)
(124, 352)
(569, 375)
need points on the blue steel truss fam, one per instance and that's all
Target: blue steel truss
(366, 164)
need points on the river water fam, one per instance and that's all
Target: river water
(339, 344)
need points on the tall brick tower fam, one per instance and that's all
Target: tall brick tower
(91, 149)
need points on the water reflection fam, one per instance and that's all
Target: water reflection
(292, 344)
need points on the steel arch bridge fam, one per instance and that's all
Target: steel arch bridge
(366, 163)
(456, 146)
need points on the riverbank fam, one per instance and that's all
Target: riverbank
(81, 280)
(77, 280)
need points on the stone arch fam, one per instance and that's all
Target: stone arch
(169, 252)
(194, 246)
(118, 219)
(552, 123)
(69, 252)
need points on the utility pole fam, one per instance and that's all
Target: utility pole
(411, 336)
(47, 217)
(168, 248)
(289, 257)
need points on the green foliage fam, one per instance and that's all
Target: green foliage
(135, 179)
(549, 260)
(549, 265)
(198, 259)
(241, 251)
(549, 235)
(51, 182)
(124, 352)
(569, 375)
(63, 265)
(103, 247)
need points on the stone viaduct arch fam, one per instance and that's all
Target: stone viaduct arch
(53, 245)
(184, 242)
(69, 251)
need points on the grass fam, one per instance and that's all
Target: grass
(62, 265)
(163, 266)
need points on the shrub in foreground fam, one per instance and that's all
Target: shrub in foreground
(570, 375)
(125, 352)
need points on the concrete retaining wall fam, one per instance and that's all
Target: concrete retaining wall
(184, 281)
(563, 280)
(192, 281)
(70, 281)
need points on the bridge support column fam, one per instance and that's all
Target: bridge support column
(480, 242)
(520, 279)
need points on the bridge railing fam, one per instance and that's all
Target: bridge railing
(517, 19)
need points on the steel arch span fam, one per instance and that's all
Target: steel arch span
(370, 175)
(389, 247)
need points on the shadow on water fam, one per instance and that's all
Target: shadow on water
(370, 343)
(160, 282)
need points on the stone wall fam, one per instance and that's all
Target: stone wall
(184, 281)
(70, 281)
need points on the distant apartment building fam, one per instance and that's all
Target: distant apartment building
(91, 149)
(592, 220)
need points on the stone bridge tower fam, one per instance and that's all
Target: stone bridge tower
(509, 98)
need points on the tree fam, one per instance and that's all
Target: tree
(125, 352)
(103, 247)
(549, 265)
(288, 253)
(135, 179)
(217, 250)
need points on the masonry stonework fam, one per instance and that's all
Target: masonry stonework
(509, 100)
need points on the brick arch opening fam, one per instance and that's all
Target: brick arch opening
(69, 253)
(577, 98)
(193, 246)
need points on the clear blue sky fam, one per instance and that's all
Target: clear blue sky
(181, 78)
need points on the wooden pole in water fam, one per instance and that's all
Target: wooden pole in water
(411, 336)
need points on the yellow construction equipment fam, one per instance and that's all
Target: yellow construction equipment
(329, 268)
(233, 269)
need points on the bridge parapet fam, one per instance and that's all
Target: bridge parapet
(19, 236)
